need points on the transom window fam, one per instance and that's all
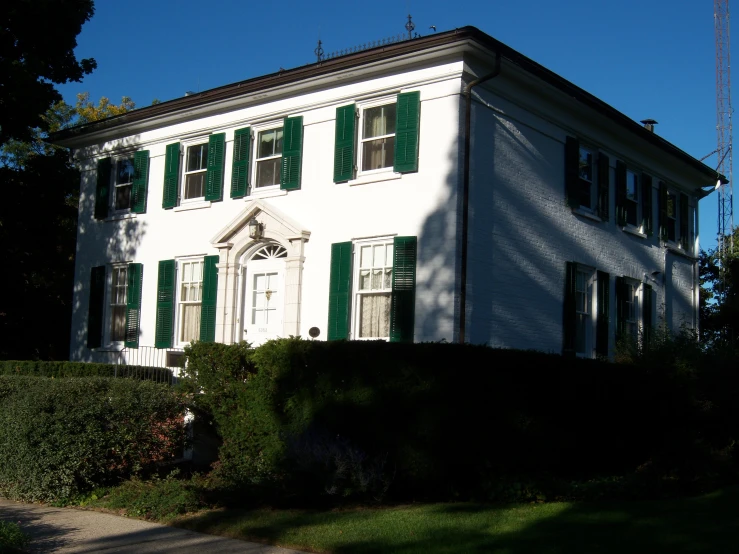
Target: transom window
(196, 166)
(118, 296)
(378, 137)
(124, 171)
(584, 310)
(268, 157)
(190, 299)
(671, 209)
(632, 198)
(374, 280)
(586, 173)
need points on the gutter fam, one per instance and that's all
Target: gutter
(467, 93)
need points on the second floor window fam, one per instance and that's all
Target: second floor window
(586, 177)
(268, 158)
(378, 137)
(124, 173)
(196, 165)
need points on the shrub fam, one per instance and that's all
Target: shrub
(12, 538)
(39, 368)
(62, 437)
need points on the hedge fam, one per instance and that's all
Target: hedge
(446, 421)
(83, 369)
(62, 437)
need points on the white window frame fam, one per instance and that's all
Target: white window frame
(114, 184)
(359, 141)
(593, 181)
(108, 320)
(357, 293)
(256, 130)
(591, 310)
(184, 173)
(179, 272)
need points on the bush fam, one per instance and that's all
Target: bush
(83, 369)
(12, 539)
(62, 437)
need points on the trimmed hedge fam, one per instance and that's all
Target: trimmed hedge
(62, 437)
(83, 369)
(446, 421)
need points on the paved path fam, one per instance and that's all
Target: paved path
(66, 530)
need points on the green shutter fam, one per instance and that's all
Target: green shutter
(339, 291)
(165, 304)
(344, 143)
(647, 314)
(102, 189)
(604, 178)
(240, 166)
(569, 310)
(601, 324)
(621, 193)
(620, 306)
(403, 300)
(140, 181)
(646, 204)
(292, 151)
(214, 174)
(662, 211)
(95, 307)
(572, 173)
(171, 175)
(210, 294)
(407, 129)
(684, 211)
(133, 304)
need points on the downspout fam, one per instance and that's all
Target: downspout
(467, 93)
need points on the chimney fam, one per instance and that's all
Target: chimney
(649, 124)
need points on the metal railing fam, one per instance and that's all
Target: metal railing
(147, 362)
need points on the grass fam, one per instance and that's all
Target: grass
(12, 539)
(708, 523)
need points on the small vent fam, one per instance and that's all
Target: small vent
(175, 359)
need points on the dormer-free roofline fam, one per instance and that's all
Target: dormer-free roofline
(75, 136)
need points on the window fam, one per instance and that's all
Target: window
(631, 310)
(268, 158)
(634, 301)
(585, 167)
(196, 166)
(674, 217)
(123, 183)
(378, 137)
(584, 309)
(372, 289)
(117, 303)
(632, 198)
(190, 300)
(373, 278)
(671, 209)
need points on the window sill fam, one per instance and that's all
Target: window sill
(120, 216)
(192, 206)
(586, 214)
(266, 193)
(674, 248)
(375, 178)
(633, 231)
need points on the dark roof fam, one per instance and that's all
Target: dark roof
(385, 52)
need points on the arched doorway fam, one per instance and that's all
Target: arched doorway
(263, 294)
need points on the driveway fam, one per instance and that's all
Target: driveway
(66, 530)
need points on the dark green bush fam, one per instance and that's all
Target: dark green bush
(12, 538)
(62, 437)
(459, 421)
(39, 368)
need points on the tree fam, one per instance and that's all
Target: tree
(86, 111)
(37, 42)
(719, 314)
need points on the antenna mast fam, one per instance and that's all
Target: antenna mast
(724, 134)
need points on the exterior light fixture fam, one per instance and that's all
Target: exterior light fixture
(255, 229)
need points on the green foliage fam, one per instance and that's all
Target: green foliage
(62, 437)
(12, 538)
(82, 369)
(719, 314)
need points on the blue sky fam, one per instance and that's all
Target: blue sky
(647, 58)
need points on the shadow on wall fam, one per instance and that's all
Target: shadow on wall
(102, 242)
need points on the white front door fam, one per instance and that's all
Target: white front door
(264, 300)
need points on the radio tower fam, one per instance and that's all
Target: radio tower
(724, 132)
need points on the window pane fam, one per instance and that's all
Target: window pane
(268, 172)
(364, 280)
(260, 282)
(124, 171)
(389, 255)
(197, 271)
(377, 154)
(581, 333)
(586, 165)
(631, 186)
(118, 323)
(123, 197)
(365, 257)
(379, 121)
(388, 283)
(190, 322)
(195, 185)
(270, 143)
(377, 279)
(374, 315)
(379, 255)
(197, 157)
(671, 201)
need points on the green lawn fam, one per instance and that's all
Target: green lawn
(704, 524)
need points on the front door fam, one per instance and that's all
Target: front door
(264, 300)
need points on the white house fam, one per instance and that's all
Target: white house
(342, 196)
